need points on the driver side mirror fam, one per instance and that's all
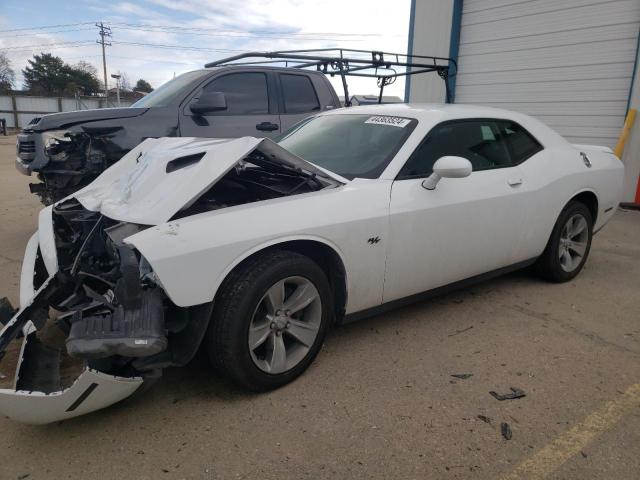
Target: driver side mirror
(447, 167)
(208, 102)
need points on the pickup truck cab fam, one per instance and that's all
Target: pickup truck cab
(68, 150)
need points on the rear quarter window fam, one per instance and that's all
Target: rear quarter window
(521, 144)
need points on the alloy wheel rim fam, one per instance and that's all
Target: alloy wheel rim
(573, 242)
(285, 325)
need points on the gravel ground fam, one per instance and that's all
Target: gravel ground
(380, 401)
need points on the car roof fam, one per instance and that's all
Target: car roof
(423, 111)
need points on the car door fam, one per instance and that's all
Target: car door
(252, 108)
(299, 99)
(465, 226)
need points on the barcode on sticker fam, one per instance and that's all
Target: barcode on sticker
(387, 120)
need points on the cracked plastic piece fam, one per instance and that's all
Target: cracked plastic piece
(92, 391)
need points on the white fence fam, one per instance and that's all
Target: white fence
(19, 110)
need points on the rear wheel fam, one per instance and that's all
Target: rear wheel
(269, 320)
(569, 244)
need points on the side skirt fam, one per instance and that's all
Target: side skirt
(418, 297)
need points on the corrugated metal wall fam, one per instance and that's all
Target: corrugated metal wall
(429, 35)
(568, 63)
(28, 107)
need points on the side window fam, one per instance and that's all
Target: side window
(479, 141)
(521, 143)
(246, 93)
(299, 94)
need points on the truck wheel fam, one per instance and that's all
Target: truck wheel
(269, 320)
(569, 244)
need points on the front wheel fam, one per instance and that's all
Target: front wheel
(269, 320)
(569, 244)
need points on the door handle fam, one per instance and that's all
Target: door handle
(514, 182)
(267, 126)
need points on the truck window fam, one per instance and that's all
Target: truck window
(166, 94)
(299, 94)
(246, 93)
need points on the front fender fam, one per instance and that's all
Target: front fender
(187, 283)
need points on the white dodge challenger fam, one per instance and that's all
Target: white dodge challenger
(252, 249)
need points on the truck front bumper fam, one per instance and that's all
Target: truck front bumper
(23, 167)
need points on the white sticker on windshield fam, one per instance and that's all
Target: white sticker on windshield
(387, 120)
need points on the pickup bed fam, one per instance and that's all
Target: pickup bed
(68, 150)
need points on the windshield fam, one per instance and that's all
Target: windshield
(349, 145)
(168, 92)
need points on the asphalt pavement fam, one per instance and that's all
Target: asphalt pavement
(384, 399)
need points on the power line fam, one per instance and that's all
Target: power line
(178, 47)
(238, 35)
(282, 32)
(44, 27)
(76, 43)
(44, 33)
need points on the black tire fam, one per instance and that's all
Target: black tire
(227, 336)
(548, 265)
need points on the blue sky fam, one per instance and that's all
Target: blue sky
(153, 39)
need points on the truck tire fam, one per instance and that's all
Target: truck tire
(269, 320)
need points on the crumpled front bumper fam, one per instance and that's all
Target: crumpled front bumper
(32, 399)
(91, 391)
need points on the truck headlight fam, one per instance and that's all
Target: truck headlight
(54, 142)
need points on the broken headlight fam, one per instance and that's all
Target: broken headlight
(55, 142)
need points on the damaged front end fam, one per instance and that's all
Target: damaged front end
(114, 323)
(95, 320)
(65, 160)
(69, 150)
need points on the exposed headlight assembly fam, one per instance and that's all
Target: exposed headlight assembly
(55, 142)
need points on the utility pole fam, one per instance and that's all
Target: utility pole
(104, 32)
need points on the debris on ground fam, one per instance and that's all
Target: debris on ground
(485, 419)
(515, 393)
(506, 430)
(457, 332)
(462, 376)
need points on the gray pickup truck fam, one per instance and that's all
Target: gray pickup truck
(69, 150)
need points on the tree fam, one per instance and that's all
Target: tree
(45, 74)
(143, 86)
(49, 75)
(82, 78)
(7, 75)
(86, 67)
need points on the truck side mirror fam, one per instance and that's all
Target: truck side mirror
(208, 102)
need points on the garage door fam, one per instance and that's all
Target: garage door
(569, 63)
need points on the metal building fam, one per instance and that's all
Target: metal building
(572, 63)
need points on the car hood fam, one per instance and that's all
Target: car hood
(66, 119)
(143, 188)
